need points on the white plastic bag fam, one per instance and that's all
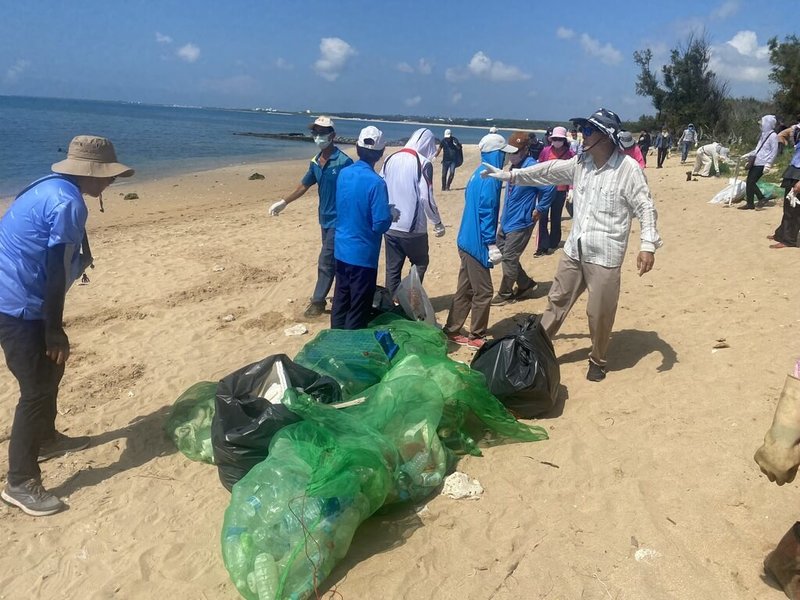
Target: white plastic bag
(413, 299)
(731, 192)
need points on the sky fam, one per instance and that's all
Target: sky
(512, 59)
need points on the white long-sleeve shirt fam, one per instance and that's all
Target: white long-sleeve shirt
(604, 199)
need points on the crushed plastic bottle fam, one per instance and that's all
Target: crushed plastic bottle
(265, 573)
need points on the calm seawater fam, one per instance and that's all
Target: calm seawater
(157, 140)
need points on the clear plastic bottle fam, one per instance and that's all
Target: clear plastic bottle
(265, 573)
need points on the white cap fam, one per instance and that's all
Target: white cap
(492, 129)
(371, 138)
(447, 133)
(495, 141)
(322, 121)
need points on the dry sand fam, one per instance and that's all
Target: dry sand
(652, 491)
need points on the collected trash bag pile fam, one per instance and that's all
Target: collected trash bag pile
(770, 190)
(189, 421)
(293, 516)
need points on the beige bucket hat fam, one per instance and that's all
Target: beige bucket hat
(91, 156)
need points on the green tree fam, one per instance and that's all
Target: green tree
(785, 60)
(689, 91)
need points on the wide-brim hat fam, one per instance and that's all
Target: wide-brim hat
(91, 156)
(605, 121)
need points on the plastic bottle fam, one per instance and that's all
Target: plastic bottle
(265, 573)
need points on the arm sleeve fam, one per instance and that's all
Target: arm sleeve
(638, 197)
(67, 223)
(426, 195)
(379, 206)
(545, 200)
(309, 178)
(488, 210)
(772, 149)
(551, 172)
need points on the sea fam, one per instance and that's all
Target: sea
(162, 140)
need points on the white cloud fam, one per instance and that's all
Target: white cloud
(284, 64)
(564, 33)
(483, 67)
(456, 97)
(163, 39)
(726, 9)
(17, 69)
(605, 52)
(424, 67)
(189, 52)
(404, 67)
(413, 101)
(334, 54)
(741, 59)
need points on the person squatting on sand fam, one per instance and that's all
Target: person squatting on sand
(43, 250)
(706, 157)
(409, 177)
(323, 170)
(789, 228)
(608, 189)
(477, 239)
(364, 215)
(520, 214)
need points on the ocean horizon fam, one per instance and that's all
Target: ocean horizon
(162, 140)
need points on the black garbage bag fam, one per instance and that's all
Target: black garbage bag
(521, 369)
(249, 411)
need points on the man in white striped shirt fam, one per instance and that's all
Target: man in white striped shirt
(609, 188)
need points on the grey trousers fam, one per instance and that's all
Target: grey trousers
(572, 278)
(398, 248)
(512, 245)
(473, 294)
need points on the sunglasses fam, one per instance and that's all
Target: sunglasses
(587, 130)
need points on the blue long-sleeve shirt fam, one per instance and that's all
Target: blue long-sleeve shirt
(521, 200)
(362, 215)
(481, 210)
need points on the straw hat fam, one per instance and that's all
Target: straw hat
(91, 156)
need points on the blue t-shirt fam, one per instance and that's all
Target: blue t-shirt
(325, 178)
(521, 200)
(364, 215)
(48, 213)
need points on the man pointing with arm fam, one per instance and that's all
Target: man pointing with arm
(609, 188)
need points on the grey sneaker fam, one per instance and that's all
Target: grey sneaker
(315, 309)
(32, 498)
(62, 444)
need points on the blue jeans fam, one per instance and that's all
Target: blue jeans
(326, 266)
(550, 237)
(685, 150)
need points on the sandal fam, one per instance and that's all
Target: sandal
(778, 245)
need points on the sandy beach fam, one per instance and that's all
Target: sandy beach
(646, 489)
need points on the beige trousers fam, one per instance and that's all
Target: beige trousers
(571, 279)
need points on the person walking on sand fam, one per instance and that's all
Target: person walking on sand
(518, 219)
(609, 188)
(364, 215)
(688, 139)
(763, 155)
(43, 250)
(477, 248)
(644, 142)
(409, 177)
(551, 204)
(323, 171)
(452, 158)
(662, 144)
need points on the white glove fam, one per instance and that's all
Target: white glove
(495, 256)
(767, 169)
(569, 195)
(277, 208)
(438, 229)
(495, 173)
(395, 213)
(792, 198)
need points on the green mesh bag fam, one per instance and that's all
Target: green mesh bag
(413, 338)
(189, 421)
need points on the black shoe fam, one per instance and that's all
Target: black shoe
(315, 309)
(595, 372)
(32, 498)
(62, 444)
(540, 253)
(746, 207)
(761, 204)
(521, 291)
(501, 299)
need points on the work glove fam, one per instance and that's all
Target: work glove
(495, 256)
(495, 173)
(438, 229)
(569, 196)
(395, 213)
(277, 208)
(779, 456)
(767, 169)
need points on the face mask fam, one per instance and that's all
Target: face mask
(558, 144)
(322, 141)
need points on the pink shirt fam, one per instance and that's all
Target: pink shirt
(635, 153)
(550, 153)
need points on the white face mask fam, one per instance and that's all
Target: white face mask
(558, 144)
(322, 141)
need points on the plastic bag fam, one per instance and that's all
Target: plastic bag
(413, 338)
(354, 358)
(412, 297)
(189, 421)
(730, 193)
(521, 370)
(770, 190)
(249, 411)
